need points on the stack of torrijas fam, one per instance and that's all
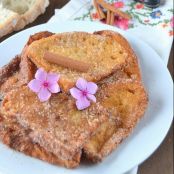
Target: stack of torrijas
(55, 131)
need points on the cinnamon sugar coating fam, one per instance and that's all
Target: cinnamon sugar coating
(100, 52)
(55, 131)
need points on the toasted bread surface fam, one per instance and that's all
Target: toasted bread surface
(127, 101)
(9, 76)
(104, 55)
(9, 69)
(131, 68)
(55, 131)
(27, 68)
(16, 137)
(57, 125)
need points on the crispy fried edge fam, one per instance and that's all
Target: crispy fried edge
(131, 68)
(9, 69)
(16, 137)
(65, 84)
(124, 41)
(122, 133)
(27, 67)
(92, 129)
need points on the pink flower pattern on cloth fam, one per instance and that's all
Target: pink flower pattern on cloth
(44, 84)
(119, 4)
(84, 93)
(141, 15)
(122, 23)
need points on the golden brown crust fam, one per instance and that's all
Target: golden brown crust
(128, 102)
(9, 76)
(102, 53)
(27, 68)
(25, 121)
(27, 71)
(131, 68)
(16, 137)
(11, 83)
(38, 36)
(11, 133)
(9, 69)
(56, 125)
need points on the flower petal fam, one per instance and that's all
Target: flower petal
(81, 84)
(76, 93)
(91, 97)
(122, 23)
(82, 103)
(41, 75)
(119, 4)
(44, 94)
(52, 77)
(54, 88)
(35, 85)
(92, 87)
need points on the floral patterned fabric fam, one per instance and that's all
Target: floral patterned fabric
(141, 15)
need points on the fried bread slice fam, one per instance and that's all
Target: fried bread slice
(9, 76)
(11, 133)
(11, 82)
(105, 55)
(16, 137)
(27, 68)
(131, 68)
(56, 125)
(127, 100)
(9, 69)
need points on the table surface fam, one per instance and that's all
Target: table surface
(161, 162)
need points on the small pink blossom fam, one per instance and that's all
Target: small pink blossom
(122, 23)
(118, 4)
(95, 16)
(139, 6)
(84, 93)
(44, 84)
(172, 22)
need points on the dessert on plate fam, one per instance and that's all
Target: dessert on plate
(70, 96)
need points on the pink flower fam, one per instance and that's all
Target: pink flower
(122, 23)
(172, 22)
(44, 84)
(139, 6)
(118, 4)
(95, 16)
(84, 93)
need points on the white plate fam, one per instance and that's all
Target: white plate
(146, 137)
